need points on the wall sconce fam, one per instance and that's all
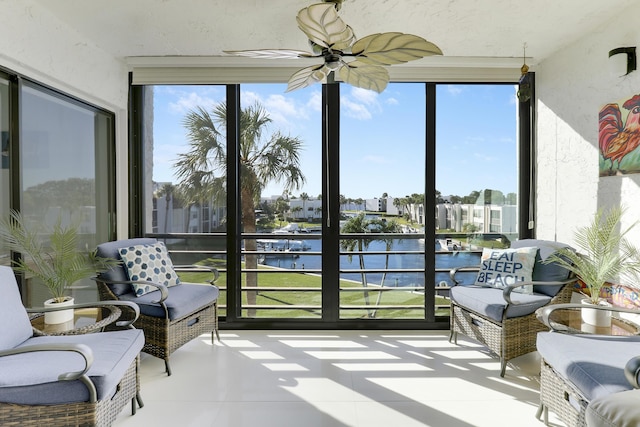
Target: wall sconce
(622, 60)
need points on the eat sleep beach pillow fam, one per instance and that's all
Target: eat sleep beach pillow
(503, 267)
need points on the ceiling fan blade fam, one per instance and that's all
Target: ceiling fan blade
(271, 53)
(392, 48)
(365, 76)
(321, 23)
(307, 76)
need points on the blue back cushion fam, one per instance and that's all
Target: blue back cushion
(15, 327)
(119, 273)
(545, 272)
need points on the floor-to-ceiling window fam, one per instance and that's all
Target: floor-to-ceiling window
(345, 209)
(57, 167)
(476, 174)
(5, 180)
(382, 187)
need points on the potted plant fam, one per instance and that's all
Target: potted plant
(603, 255)
(53, 257)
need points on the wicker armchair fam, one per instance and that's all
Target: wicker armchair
(589, 376)
(76, 379)
(503, 320)
(170, 316)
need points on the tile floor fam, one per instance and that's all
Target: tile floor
(335, 379)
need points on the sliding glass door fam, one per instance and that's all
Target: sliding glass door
(332, 205)
(66, 172)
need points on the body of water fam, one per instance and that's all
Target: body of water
(302, 260)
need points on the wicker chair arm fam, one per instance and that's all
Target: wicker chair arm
(164, 291)
(81, 349)
(544, 314)
(506, 293)
(212, 270)
(454, 271)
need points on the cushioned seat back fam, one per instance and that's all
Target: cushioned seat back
(15, 327)
(552, 272)
(118, 273)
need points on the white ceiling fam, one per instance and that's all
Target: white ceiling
(464, 29)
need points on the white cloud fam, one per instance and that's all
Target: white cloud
(315, 101)
(476, 139)
(392, 101)
(355, 110)
(454, 90)
(188, 101)
(370, 158)
(365, 96)
(485, 157)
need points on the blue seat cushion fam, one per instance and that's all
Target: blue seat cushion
(184, 299)
(31, 378)
(490, 303)
(593, 363)
(119, 273)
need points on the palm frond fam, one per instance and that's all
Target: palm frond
(52, 256)
(604, 253)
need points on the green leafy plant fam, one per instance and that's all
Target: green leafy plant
(58, 262)
(604, 253)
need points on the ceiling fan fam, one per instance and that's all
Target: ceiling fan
(335, 42)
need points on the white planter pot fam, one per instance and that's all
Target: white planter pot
(592, 316)
(61, 316)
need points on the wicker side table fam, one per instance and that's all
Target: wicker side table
(572, 321)
(85, 320)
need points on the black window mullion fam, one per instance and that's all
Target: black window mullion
(234, 232)
(430, 201)
(331, 202)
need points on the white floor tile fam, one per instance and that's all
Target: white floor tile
(334, 379)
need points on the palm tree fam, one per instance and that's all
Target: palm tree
(343, 202)
(383, 226)
(296, 211)
(202, 170)
(166, 191)
(282, 206)
(357, 224)
(304, 197)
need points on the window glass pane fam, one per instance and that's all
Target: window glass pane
(185, 185)
(382, 170)
(59, 176)
(476, 174)
(281, 186)
(4, 166)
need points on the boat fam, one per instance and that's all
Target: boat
(448, 245)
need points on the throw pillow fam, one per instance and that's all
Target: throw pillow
(150, 263)
(503, 267)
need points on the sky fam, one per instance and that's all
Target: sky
(382, 135)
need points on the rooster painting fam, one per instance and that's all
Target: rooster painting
(618, 139)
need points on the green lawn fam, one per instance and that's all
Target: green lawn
(312, 298)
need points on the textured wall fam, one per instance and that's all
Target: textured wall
(572, 86)
(36, 44)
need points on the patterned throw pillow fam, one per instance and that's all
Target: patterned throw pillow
(150, 263)
(503, 267)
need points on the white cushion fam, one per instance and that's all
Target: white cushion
(503, 267)
(150, 263)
